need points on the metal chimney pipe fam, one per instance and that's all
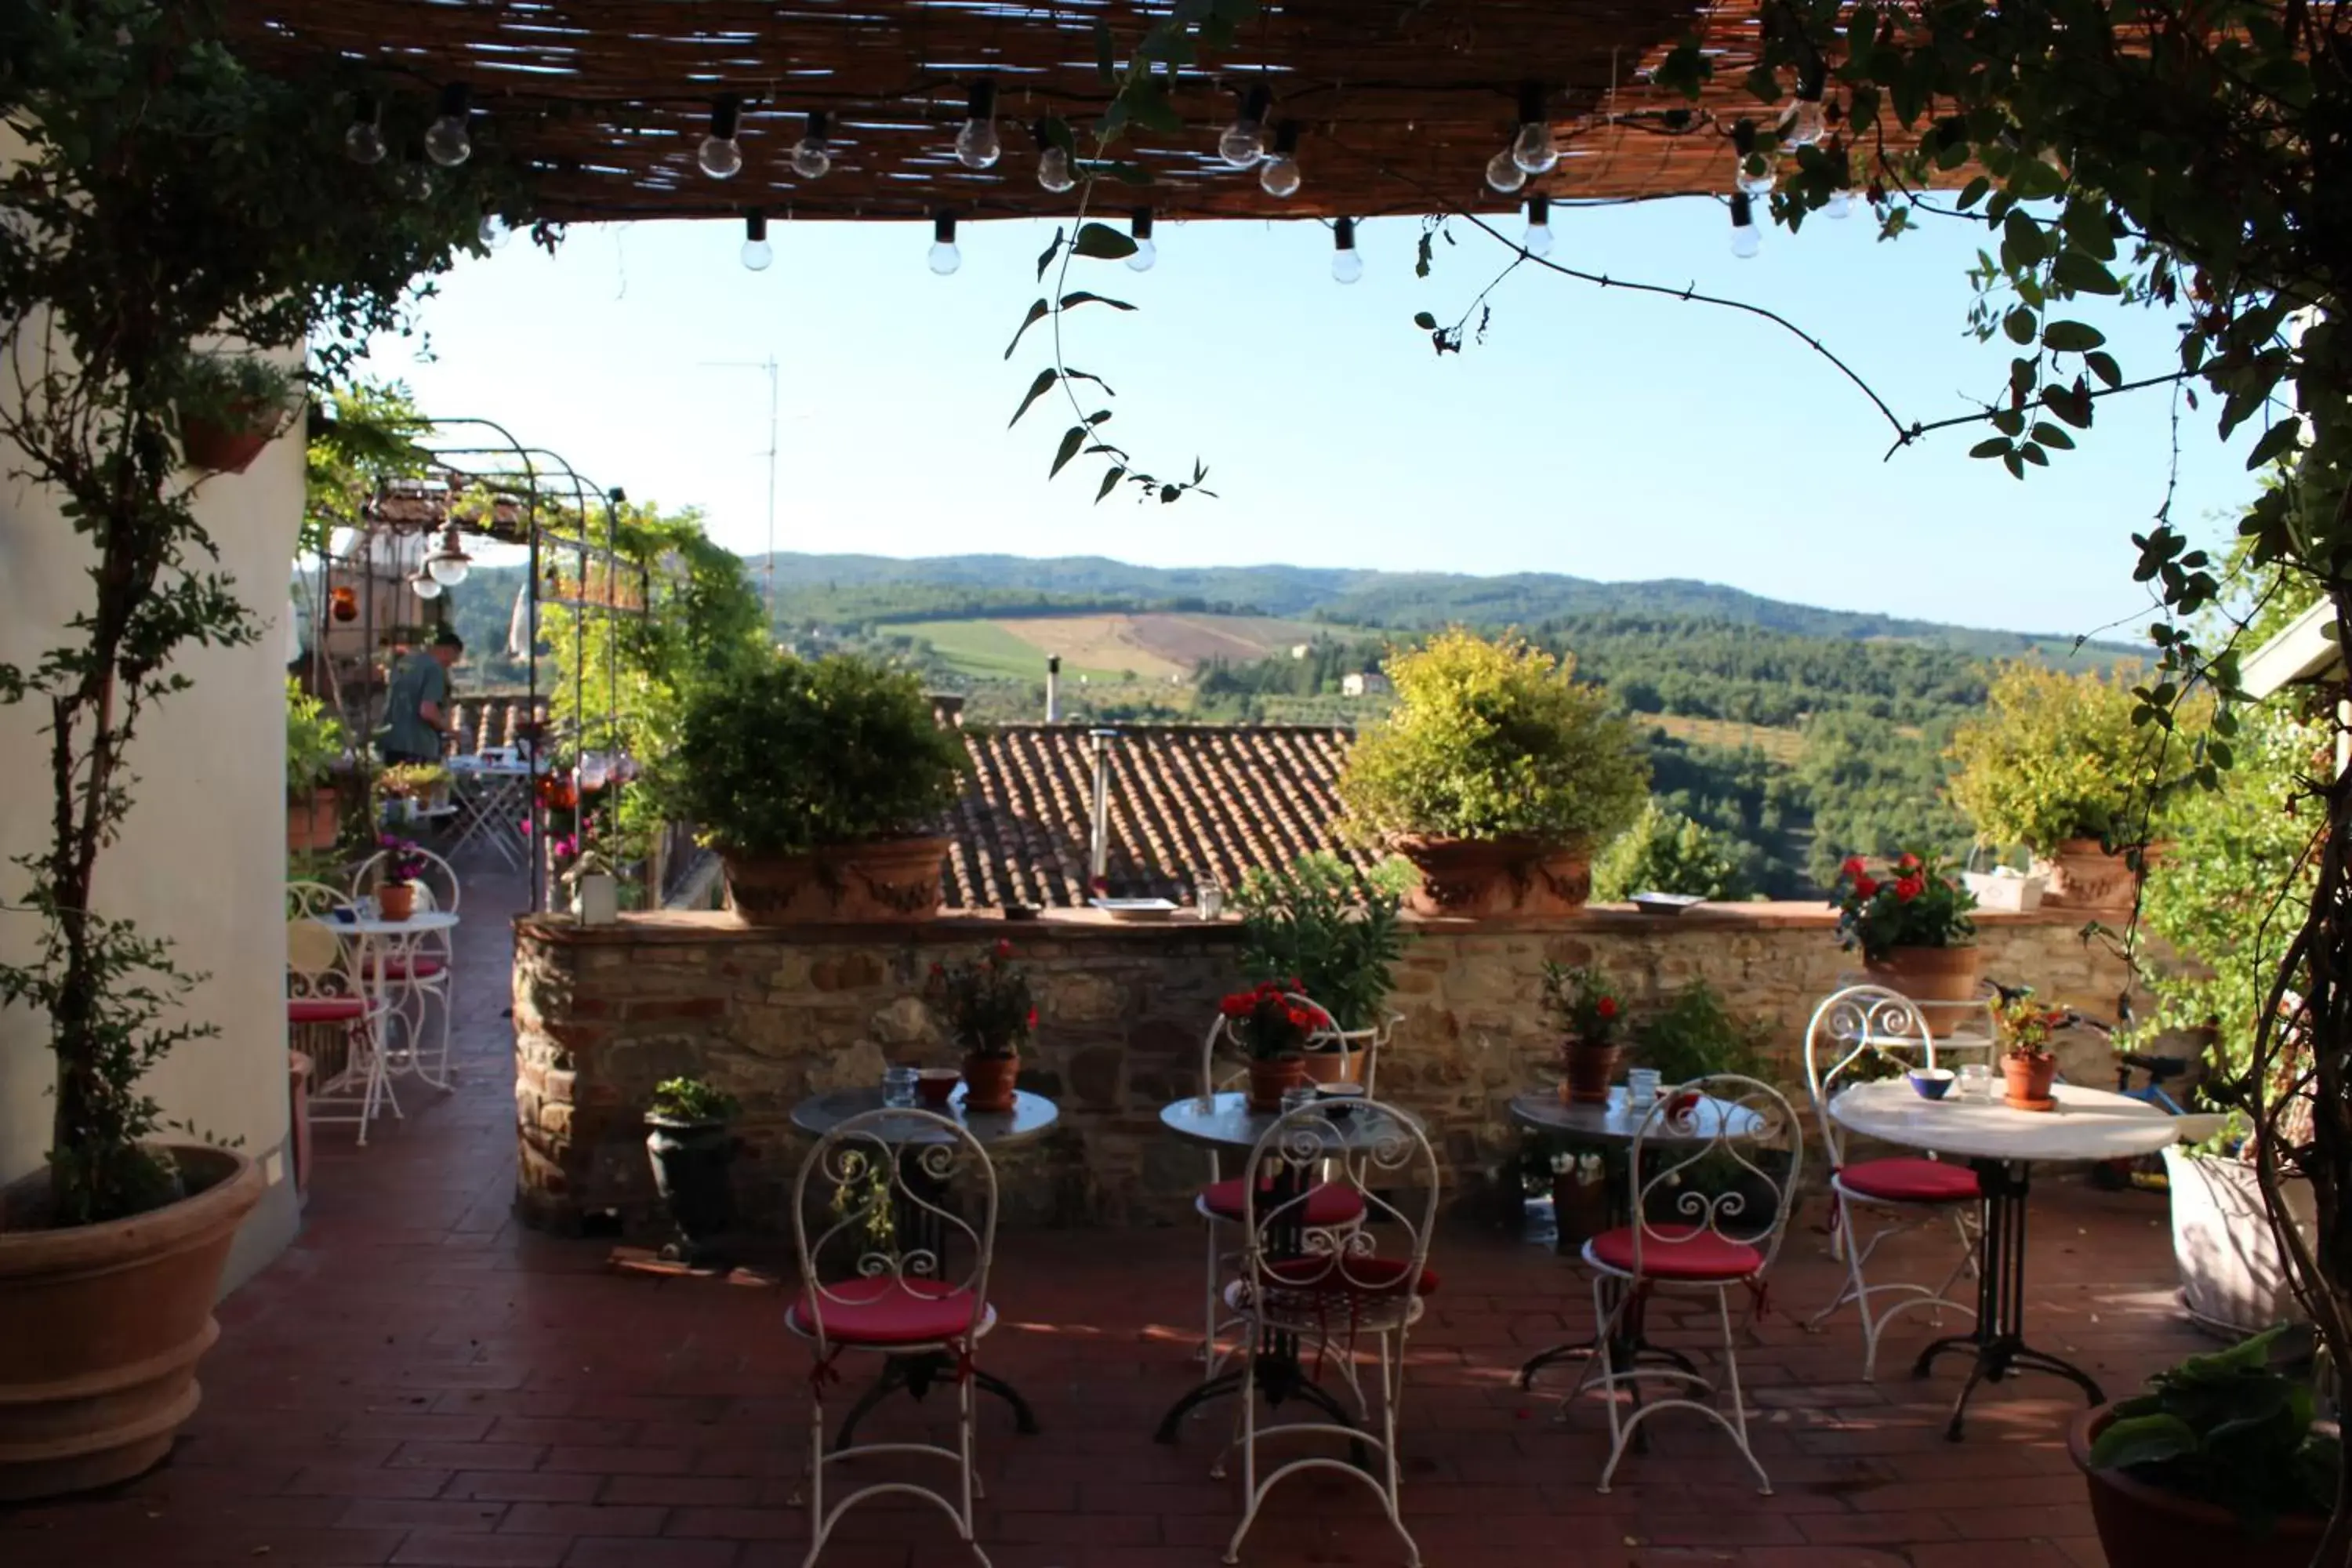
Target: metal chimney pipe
(1099, 839)
(1053, 690)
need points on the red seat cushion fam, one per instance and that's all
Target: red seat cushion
(324, 1009)
(1906, 1181)
(1347, 1276)
(1326, 1204)
(885, 1311)
(1677, 1252)
(396, 968)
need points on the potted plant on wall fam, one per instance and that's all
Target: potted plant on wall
(820, 783)
(1583, 1005)
(985, 1007)
(2027, 1066)
(1495, 774)
(2221, 1460)
(1332, 933)
(1911, 926)
(2055, 764)
(691, 1148)
(1274, 1025)
(314, 744)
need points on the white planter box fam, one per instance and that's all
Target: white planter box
(2011, 895)
(2234, 1278)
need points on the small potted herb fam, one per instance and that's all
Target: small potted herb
(1275, 1024)
(691, 1149)
(1911, 926)
(404, 867)
(2027, 1063)
(984, 1006)
(1582, 1003)
(2220, 1461)
(231, 406)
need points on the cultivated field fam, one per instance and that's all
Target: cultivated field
(1153, 648)
(1781, 745)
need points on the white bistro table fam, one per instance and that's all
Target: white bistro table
(380, 941)
(493, 803)
(2003, 1144)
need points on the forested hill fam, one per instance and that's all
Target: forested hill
(840, 590)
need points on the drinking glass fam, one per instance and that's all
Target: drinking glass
(1641, 1087)
(1976, 1080)
(899, 1085)
(1297, 1097)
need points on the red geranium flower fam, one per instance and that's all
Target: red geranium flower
(1853, 867)
(1606, 1006)
(1907, 863)
(1004, 947)
(1300, 1019)
(1033, 1018)
(1909, 888)
(1864, 888)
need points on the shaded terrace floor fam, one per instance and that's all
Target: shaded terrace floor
(421, 1381)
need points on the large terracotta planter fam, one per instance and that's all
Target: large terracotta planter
(101, 1327)
(1345, 1066)
(881, 880)
(1483, 879)
(2142, 1526)
(2082, 875)
(314, 823)
(1927, 973)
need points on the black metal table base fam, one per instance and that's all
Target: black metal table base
(916, 1375)
(1998, 1341)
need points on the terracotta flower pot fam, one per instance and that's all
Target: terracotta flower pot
(988, 1082)
(1268, 1081)
(1927, 973)
(1479, 878)
(1587, 1071)
(1335, 1066)
(2029, 1079)
(314, 822)
(882, 879)
(2083, 875)
(2144, 1526)
(101, 1327)
(395, 900)
(224, 449)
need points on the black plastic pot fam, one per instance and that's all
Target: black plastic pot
(690, 1162)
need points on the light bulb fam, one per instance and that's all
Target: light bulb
(414, 180)
(1053, 163)
(1504, 174)
(1747, 239)
(424, 586)
(1839, 205)
(720, 155)
(446, 142)
(1537, 241)
(1806, 123)
(1280, 175)
(448, 564)
(1347, 266)
(1243, 141)
(1756, 181)
(812, 158)
(495, 232)
(757, 252)
(1535, 150)
(944, 256)
(363, 142)
(977, 146)
(1146, 253)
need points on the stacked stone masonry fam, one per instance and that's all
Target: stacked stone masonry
(603, 1014)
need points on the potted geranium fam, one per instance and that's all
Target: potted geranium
(231, 406)
(1911, 926)
(1275, 1024)
(416, 787)
(402, 868)
(820, 783)
(2220, 1461)
(691, 1149)
(985, 1007)
(2027, 1066)
(1331, 932)
(2055, 764)
(1496, 774)
(1582, 1003)
(314, 744)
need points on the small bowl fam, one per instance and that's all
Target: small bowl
(1931, 1083)
(344, 914)
(936, 1086)
(1342, 1098)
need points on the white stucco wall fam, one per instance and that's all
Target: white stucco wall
(202, 859)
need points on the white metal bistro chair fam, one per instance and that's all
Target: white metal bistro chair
(325, 990)
(1299, 1282)
(1719, 1241)
(1849, 1030)
(896, 1269)
(419, 979)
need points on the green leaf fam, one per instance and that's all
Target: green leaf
(1111, 476)
(2280, 441)
(1046, 256)
(1072, 300)
(2072, 337)
(2079, 272)
(1038, 389)
(1102, 242)
(2103, 365)
(1106, 58)
(2142, 1440)
(2050, 435)
(2034, 455)
(1072, 439)
(2018, 324)
(1036, 314)
(1974, 192)
(1424, 320)
(1990, 447)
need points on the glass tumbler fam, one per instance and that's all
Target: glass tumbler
(899, 1085)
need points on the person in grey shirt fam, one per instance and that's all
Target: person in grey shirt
(416, 702)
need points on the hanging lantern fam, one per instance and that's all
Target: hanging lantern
(344, 604)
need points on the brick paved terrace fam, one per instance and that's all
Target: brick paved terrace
(422, 1380)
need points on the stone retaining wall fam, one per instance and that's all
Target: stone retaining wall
(603, 1014)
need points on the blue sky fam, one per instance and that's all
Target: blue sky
(1598, 433)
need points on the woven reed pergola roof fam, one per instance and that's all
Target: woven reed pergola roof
(1400, 102)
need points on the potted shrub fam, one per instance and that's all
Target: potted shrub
(1911, 927)
(691, 1148)
(2055, 764)
(820, 783)
(1332, 933)
(1495, 774)
(314, 744)
(1274, 1025)
(231, 406)
(2028, 1065)
(396, 878)
(413, 787)
(2221, 1460)
(985, 1007)
(1582, 1003)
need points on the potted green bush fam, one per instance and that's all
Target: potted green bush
(314, 744)
(820, 783)
(1497, 773)
(1911, 925)
(1666, 852)
(1695, 1034)
(2220, 1461)
(985, 1007)
(692, 1148)
(2055, 764)
(231, 408)
(1332, 933)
